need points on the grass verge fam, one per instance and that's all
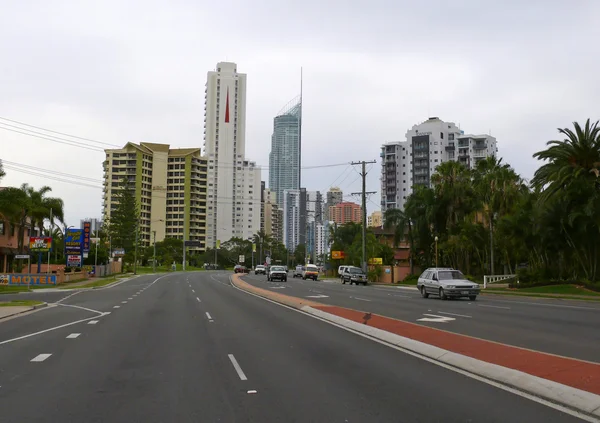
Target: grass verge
(5, 289)
(550, 290)
(17, 303)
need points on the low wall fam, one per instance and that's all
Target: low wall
(398, 273)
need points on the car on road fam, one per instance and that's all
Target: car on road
(298, 271)
(260, 270)
(446, 282)
(277, 273)
(310, 272)
(355, 275)
(238, 268)
(341, 271)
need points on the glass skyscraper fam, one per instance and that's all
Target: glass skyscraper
(284, 159)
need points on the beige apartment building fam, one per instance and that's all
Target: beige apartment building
(170, 189)
(271, 215)
(375, 219)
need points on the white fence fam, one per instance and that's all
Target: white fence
(490, 279)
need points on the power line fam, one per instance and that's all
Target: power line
(55, 139)
(52, 177)
(39, 169)
(56, 132)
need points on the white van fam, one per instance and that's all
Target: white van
(341, 271)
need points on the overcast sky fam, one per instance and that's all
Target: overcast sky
(119, 71)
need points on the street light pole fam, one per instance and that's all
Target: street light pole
(154, 255)
(436, 251)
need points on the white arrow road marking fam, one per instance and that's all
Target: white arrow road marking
(454, 314)
(317, 296)
(435, 318)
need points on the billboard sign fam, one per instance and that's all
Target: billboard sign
(337, 255)
(87, 228)
(27, 279)
(242, 258)
(74, 241)
(40, 244)
(376, 261)
(118, 252)
(74, 260)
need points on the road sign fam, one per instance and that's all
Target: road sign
(242, 258)
(268, 260)
(22, 256)
(435, 318)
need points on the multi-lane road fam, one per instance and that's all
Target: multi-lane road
(567, 328)
(190, 347)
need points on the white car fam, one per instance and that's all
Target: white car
(446, 283)
(277, 273)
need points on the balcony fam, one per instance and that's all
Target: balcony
(421, 172)
(421, 155)
(450, 147)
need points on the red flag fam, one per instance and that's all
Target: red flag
(227, 107)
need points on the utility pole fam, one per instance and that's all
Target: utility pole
(154, 255)
(184, 249)
(364, 194)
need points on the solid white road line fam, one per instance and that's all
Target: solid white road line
(208, 315)
(68, 296)
(82, 308)
(117, 307)
(73, 335)
(491, 306)
(198, 299)
(40, 357)
(454, 314)
(92, 322)
(237, 367)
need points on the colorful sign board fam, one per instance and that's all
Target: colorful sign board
(376, 260)
(87, 228)
(74, 247)
(254, 248)
(40, 244)
(337, 255)
(118, 252)
(27, 279)
(74, 241)
(74, 260)
(218, 244)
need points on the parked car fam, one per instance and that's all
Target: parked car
(446, 282)
(310, 272)
(298, 271)
(354, 275)
(277, 273)
(341, 271)
(260, 270)
(240, 269)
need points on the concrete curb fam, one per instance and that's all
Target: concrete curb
(35, 307)
(568, 397)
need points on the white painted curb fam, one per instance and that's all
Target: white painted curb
(558, 393)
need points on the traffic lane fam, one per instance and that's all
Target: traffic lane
(304, 369)
(570, 332)
(105, 300)
(151, 360)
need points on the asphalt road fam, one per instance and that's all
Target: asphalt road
(567, 328)
(192, 348)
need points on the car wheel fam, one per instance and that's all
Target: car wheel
(285, 280)
(443, 294)
(344, 281)
(473, 297)
(424, 293)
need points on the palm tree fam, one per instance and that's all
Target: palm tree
(453, 187)
(43, 207)
(575, 158)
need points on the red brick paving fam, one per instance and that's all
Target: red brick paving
(578, 374)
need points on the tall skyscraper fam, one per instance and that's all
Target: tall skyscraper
(234, 183)
(294, 218)
(170, 189)
(405, 164)
(284, 159)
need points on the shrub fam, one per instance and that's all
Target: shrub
(411, 279)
